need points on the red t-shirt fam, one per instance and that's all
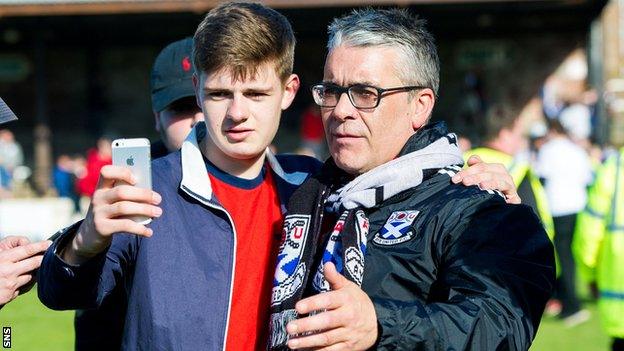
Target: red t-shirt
(255, 209)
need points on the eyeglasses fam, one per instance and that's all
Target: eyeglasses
(361, 96)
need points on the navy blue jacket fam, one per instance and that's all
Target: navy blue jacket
(179, 281)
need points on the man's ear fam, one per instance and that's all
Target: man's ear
(422, 105)
(291, 86)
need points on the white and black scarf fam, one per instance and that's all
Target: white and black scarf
(300, 259)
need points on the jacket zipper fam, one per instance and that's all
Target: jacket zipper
(229, 310)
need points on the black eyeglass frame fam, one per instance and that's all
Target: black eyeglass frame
(380, 92)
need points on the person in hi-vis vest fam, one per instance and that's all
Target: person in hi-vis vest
(598, 245)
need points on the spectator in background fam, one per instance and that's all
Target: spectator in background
(173, 98)
(64, 179)
(312, 134)
(598, 246)
(19, 258)
(504, 140)
(576, 119)
(566, 170)
(464, 143)
(11, 154)
(97, 158)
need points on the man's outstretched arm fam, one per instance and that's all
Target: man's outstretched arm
(90, 257)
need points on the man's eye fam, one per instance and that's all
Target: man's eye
(365, 92)
(218, 94)
(255, 95)
(331, 91)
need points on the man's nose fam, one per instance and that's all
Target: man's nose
(237, 111)
(344, 108)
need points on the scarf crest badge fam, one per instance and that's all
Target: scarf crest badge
(291, 268)
(349, 261)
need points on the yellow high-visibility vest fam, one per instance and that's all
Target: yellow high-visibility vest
(598, 243)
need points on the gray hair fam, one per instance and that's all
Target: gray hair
(392, 28)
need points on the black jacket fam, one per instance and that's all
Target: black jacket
(470, 272)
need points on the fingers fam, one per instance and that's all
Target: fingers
(320, 321)
(110, 226)
(513, 199)
(20, 253)
(22, 280)
(126, 193)
(28, 265)
(110, 174)
(13, 241)
(128, 208)
(474, 159)
(336, 280)
(119, 204)
(479, 169)
(324, 301)
(331, 339)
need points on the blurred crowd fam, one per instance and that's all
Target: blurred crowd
(573, 185)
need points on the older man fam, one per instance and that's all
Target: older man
(413, 261)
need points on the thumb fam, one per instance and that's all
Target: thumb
(474, 159)
(336, 280)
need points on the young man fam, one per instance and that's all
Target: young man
(175, 113)
(413, 262)
(199, 275)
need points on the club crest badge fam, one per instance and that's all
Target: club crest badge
(398, 228)
(290, 270)
(332, 254)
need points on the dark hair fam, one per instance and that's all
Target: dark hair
(499, 116)
(242, 36)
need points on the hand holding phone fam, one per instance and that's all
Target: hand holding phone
(122, 203)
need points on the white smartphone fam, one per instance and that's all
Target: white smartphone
(135, 155)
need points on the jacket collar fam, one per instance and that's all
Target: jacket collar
(195, 180)
(425, 136)
(332, 175)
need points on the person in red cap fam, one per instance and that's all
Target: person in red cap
(173, 97)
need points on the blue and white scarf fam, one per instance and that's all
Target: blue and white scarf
(345, 246)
